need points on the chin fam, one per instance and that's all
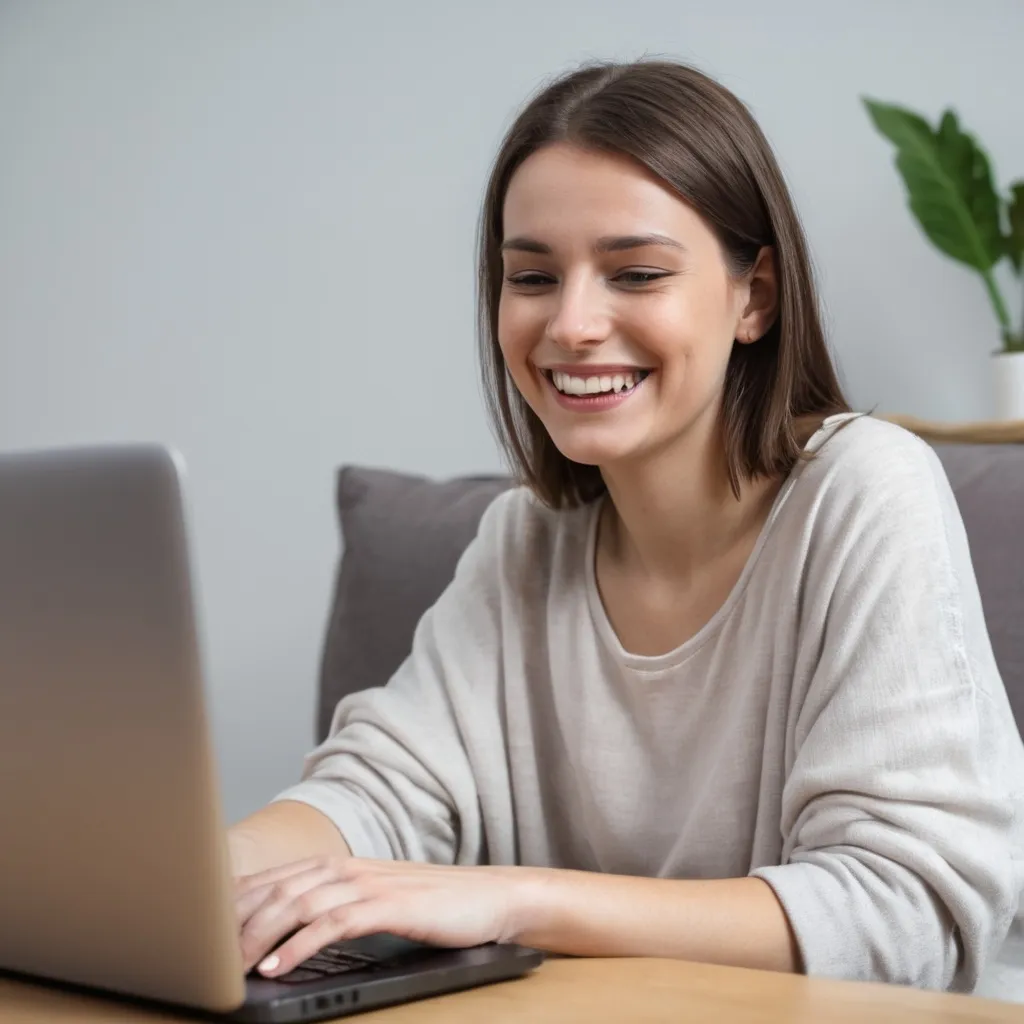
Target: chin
(592, 451)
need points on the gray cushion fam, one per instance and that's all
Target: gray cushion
(403, 535)
(988, 481)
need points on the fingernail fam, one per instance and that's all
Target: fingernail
(270, 963)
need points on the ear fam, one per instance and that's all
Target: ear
(762, 298)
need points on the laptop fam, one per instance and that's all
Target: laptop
(114, 872)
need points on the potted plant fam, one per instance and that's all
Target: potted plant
(950, 191)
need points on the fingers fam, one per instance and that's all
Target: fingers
(281, 916)
(280, 889)
(245, 883)
(344, 921)
(274, 903)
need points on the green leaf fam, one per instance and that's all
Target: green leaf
(949, 184)
(897, 124)
(1015, 239)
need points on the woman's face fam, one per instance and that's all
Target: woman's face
(617, 312)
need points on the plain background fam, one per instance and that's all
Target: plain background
(247, 229)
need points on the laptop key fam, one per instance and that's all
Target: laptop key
(331, 961)
(345, 959)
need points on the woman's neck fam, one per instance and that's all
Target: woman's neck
(674, 513)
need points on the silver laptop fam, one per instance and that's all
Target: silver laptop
(113, 864)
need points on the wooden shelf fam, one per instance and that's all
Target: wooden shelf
(981, 432)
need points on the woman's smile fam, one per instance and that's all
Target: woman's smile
(594, 389)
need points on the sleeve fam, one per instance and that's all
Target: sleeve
(901, 811)
(399, 769)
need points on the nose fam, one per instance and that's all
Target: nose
(580, 320)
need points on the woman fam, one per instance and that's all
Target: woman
(715, 683)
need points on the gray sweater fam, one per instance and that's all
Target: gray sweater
(839, 728)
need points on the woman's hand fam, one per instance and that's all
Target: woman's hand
(312, 903)
(243, 853)
(328, 899)
(281, 833)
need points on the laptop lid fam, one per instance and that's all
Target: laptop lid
(113, 864)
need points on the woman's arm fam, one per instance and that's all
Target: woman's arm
(901, 810)
(395, 778)
(400, 774)
(735, 921)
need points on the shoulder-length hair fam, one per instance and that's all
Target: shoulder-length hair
(704, 144)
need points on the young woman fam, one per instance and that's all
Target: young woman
(715, 683)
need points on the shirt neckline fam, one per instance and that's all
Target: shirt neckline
(674, 658)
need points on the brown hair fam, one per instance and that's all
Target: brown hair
(700, 140)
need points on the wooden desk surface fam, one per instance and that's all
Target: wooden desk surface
(596, 991)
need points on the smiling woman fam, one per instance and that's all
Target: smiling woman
(669, 307)
(715, 682)
(604, 149)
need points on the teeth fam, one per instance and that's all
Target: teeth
(570, 385)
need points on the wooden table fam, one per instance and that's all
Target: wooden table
(597, 991)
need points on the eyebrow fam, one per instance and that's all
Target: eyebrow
(609, 243)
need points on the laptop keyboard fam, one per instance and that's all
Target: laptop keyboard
(334, 960)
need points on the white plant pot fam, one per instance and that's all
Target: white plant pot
(1008, 385)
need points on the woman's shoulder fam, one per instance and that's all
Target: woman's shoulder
(862, 470)
(521, 542)
(856, 452)
(518, 519)
(853, 433)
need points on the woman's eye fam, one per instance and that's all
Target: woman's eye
(528, 279)
(639, 276)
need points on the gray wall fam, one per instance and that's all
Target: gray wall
(246, 228)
